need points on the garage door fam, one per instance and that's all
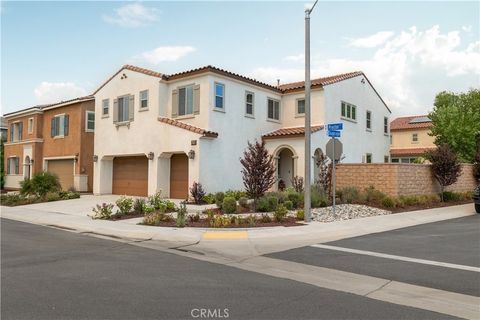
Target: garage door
(179, 176)
(64, 170)
(130, 176)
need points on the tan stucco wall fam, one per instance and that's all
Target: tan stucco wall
(403, 139)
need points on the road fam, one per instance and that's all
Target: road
(54, 274)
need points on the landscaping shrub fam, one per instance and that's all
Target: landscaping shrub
(194, 217)
(103, 211)
(162, 207)
(210, 214)
(155, 218)
(266, 218)
(450, 196)
(280, 195)
(445, 166)
(182, 215)
(155, 200)
(40, 184)
(297, 183)
(388, 202)
(350, 195)
(373, 195)
(209, 198)
(197, 193)
(138, 205)
(280, 213)
(318, 197)
(251, 220)
(67, 195)
(219, 196)
(294, 197)
(288, 204)
(52, 196)
(300, 215)
(124, 204)
(409, 200)
(229, 205)
(220, 221)
(272, 203)
(262, 205)
(148, 208)
(243, 202)
(238, 220)
(237, 194)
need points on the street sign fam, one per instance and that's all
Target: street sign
(333, 134)
(335, 126)
(334, 149)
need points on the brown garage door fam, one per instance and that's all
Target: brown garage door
(179, 176)
(130, 176)
(64, 170)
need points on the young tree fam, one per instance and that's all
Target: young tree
(197, 192)
(456, 122)
(297, 184)
(476, 168)
(445, 166)
(324, 178)
(258, 170)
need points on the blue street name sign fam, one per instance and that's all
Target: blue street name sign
(335, 126)
(334, 134)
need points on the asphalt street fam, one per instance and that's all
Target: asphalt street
(53, 274)
(454, 241)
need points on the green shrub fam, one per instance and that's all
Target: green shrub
(243, 202)
(388, 202)
(138, 205)
(182, 215)
(103, 211)
(409, 200)
(40, 184)
(272, 203)
(229, 205)
(124, 204)
(52, 196)
(266, 218)
(147, 208)
(238, 220)
(262, 205)
(220, 221)
(318, 198)
(300, 215)
(219, 196)
(373, 195)
(288, 204)
(280, 213)
(349, 195)
(209, 198)
(251, 220)
(237, 194)
(281, 196)
(155, 218)
(162, 207)
(294, 197)
(450, 196)
(71, 195)
(170, 204)
(210, 214)
(155, 200)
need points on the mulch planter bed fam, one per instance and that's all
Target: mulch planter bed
(204, 223)
(428, 206)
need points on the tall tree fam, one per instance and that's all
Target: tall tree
(2, 165)
(445, 166)
(258, 170)
(456, 122)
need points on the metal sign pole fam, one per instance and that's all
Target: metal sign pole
(333, 178)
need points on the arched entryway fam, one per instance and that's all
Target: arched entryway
(26, 167)
(286, 161)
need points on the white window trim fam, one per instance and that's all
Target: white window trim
(140, 108)
(106, 115)
(248, 115)
(30, 128)
(215, 96)
(414, 141)
(86, 121)
(300, 115)
(346, 117)
(279, 120)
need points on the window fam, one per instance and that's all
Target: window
(414, 137)
(395, 160)
(90, 121)
(144, 99)
(30, 125)
(219, 95)
(391, 139)
(369, 120)
(249, 97)
(123, 111)
(273, 109)
(13, 165)
(59, 126)
(185, 100)
(348, 111)
(300, 106)
(368, 158)
(16, 131)
(385, 125)
(385, 159)
(105, 107)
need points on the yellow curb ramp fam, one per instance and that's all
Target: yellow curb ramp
(216, 235)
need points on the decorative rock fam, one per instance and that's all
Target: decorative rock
(346, 212)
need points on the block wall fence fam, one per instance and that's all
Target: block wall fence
(399, 179)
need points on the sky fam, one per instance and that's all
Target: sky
(410, 51)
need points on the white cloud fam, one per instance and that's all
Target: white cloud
(467, 28)
(372, 41)
(396, 67)
(295, 58)
(132, 15)
(162, 54)
(50, 92)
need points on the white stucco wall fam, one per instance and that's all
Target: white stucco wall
(357, 141)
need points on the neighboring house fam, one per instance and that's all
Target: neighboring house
(3, 128)
(410, 138)
(164, 132)
(57, 138)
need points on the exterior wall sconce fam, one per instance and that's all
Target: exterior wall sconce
(191, 154)
(150, 155)
(95, 158)
(76, 158)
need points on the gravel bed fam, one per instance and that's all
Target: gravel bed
(346, 212)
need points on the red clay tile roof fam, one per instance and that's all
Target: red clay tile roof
(50, 106)
(294, 131)
(409, 151)
(188, 127)
(403, 123)
(320, 81)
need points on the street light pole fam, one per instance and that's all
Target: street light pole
(308, 142)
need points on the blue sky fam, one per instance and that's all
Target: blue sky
(52, 51)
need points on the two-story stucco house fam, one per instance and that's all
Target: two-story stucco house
(57, 138)
(163, 132)
(410, 138)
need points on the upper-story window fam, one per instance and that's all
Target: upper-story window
(185, 100)
(385, 125)
(414, 137)
(368, 158)
(273, 109)
(369, 120)
(219, 95)
(59, 125)
(90, 121)
(300, 107)
(249, 98)
(144, 99)
(16, 131)
(349, 111)
(105, 107)
(123, 113)
(13, 165)
(30, 125)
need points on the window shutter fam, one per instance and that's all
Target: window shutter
(8, 165)
(174, 103)
(20, 131)
(11, 133)
(17, 165)
(65, 125)
(52, 127)
(115, 110)
(196, 99)
(130, 107)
